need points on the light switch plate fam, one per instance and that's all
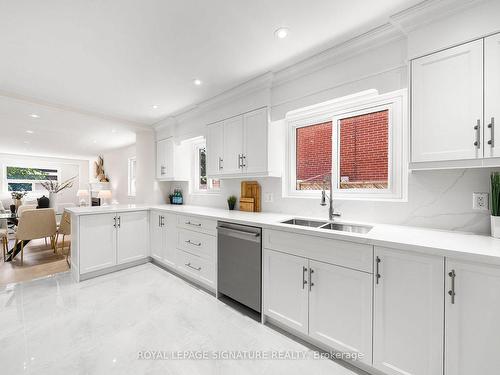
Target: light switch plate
(480, 201)
(268, 197)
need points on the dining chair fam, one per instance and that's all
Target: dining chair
(5, 242)
(65, 230)
(34, 224)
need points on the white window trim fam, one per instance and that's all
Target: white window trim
(129, 175)
(196, 171)
(364, 102)
(30, 194)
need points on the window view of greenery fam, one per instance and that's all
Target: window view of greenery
(25, 179)
(205, 183)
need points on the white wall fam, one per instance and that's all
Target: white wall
(67, 168)
(437, 199)
(116, 168)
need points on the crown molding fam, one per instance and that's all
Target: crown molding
(60, 107)
(427, 12)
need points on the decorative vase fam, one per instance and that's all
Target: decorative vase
(495, 226)
(18, 203)
(53, 200)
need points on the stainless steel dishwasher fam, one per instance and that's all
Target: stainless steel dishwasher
(239, 259)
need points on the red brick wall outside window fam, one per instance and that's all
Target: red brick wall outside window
(363, 153)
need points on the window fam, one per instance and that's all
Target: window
(202, 184)
(357, 141)
(29, 179)
(132, 171)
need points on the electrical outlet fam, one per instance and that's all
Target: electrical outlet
(480, 201)
(268, 197)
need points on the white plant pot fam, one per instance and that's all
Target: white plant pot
(495, 226)
(53, 200)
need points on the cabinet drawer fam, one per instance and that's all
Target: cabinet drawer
(197, 224)
(196, 243)
(196, 267)
(341, 253)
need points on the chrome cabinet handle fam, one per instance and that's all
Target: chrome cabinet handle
(194, 224)
(377, 269)
(304, 281)
(162, 170)
(477, 128)
(193, 243)
(491, 126)
(114, 219)
(220, 163)
(451, 292)
(240, 162)
(311, 284)
(243, 161)
(119, 221)
(159, 220)
(194, 268)
(162, 221)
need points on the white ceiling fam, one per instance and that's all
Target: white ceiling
(120, 57)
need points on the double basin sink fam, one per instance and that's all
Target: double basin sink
(343, 227)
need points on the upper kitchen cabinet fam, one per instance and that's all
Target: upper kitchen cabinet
(239, 146)
(168, 166)
(447, 104)
(492, 94)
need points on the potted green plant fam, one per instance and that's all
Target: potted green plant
(495, 204)
(231, 202)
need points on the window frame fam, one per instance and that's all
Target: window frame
(350, 106)
(32, 193)
(197, 145)
(132, 164)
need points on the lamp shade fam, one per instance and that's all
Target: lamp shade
(105, 194)
(82, 193)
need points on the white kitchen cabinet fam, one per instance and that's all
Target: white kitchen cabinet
(340, 308)
(286, 290)
(163, 237)
(215, 143)
(472, 335)
(492, 95)
(165, 159)
(239, 146)
(447, 104)
(408, 313)
(97, 247)
(107, 240)
(132, 236)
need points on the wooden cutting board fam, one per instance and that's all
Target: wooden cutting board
(250, 189)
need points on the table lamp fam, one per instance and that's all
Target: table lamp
(105, 196)
(83, 196)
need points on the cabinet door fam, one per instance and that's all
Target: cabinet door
(133, 234)
(408, 313)
(492, 95)
(156, 232)
(472, 338)
(165, 159)
(447, 104)
(97, 242)
(340, 308)
(255, 141)
(215, 148)
(285, 289)
(233, 145)
(170, 232)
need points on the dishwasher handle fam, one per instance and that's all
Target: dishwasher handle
(238, 233)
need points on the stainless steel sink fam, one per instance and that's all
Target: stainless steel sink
(305, 223)
(362, 229)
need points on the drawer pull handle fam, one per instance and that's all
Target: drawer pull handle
(311, 284)
(377, 270)
(451, 292)
(194, 224)
(193, 243)
(194, 268)
(304, 281)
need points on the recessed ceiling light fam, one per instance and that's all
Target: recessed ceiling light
(197, 82)
(34, 115)
(155, 106)
(29, 131)
(94, 141)
(281, 33)
(113, 130)
(26, 142)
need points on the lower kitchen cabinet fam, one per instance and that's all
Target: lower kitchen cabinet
(163, 237)
(107, 240)
(472, 335)
(97, 235)
(408, 313)
(286, 290)
(132, 236)
(329, 303)
(340, 308)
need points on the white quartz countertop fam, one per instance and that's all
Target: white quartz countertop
(458, 245)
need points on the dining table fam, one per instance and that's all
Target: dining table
(12, 218)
